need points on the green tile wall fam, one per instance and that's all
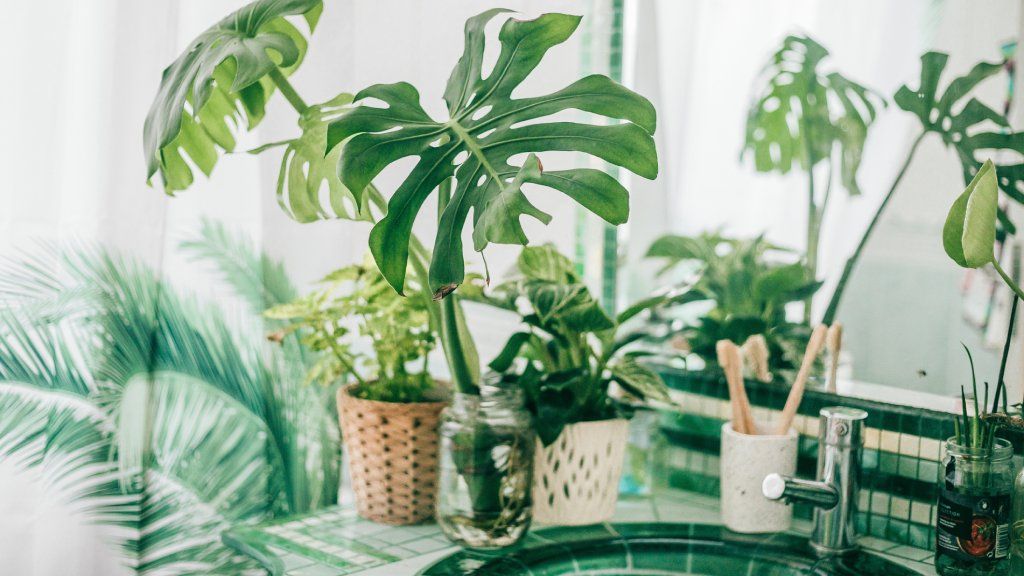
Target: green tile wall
(901, 456)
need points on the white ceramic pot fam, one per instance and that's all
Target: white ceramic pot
(746, 460)
(576, 478)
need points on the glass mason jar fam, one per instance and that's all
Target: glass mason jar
(485, 475)
(973, 515)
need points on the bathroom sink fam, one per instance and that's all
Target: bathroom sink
(661, 550)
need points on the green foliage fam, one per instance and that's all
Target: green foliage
(966, 126)
(221, 83)
(572, 349)
(969, 233)
(478, 145)
(256, 277)
(192, 427)
(803, 115)
(307, 167)
(357, 305)
(750, 289)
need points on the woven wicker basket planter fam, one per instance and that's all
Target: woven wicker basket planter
(576, 478)
(392, 450)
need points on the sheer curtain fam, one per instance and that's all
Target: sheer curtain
(81, 76)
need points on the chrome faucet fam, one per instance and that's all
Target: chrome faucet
(834, 493)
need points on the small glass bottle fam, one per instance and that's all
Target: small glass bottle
(486, 467)
(973, 515)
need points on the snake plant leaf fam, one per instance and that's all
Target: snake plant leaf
(307, 167)
(478, 144)
(971, 128)
(803, 114)
(219, 85)
(970, 230)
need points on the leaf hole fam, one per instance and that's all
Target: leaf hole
(482, 112)
(390, 130)
(441, 141)
(771, 104)
(480, 181)
(486, 133)
(460, 158)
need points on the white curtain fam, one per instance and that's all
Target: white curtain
(80, 77)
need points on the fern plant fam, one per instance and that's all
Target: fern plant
(470, 158)
(355, 306)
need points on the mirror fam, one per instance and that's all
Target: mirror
(907, 309)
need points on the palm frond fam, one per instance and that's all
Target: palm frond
(64, 444)
(259, 279)
(46, 354)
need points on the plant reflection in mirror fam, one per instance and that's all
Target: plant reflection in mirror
(749, 284)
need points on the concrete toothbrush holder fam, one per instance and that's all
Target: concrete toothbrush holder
(745, 460)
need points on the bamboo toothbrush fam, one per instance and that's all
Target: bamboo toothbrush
(796, 393)
(834, 344)
(755, 349)
(731, 361)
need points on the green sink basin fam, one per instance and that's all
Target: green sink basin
(661, 550)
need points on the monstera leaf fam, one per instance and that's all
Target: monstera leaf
(803, 114)
(478, 145)
(307, 167)
(968, 129)
(219, 84)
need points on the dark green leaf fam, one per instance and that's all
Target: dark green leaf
(570, 305)
(479, 141)
(974, 130)
(545, 263)
(220, 83)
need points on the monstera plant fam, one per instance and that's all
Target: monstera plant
(808, 118)
(472, 158)
(968, 127)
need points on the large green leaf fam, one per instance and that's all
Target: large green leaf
(972, 128)
(639, 380)
(478, 145)
(308, 168)
(219, 85)
(970, 230)
(803, 114)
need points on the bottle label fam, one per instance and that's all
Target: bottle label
(973, 527)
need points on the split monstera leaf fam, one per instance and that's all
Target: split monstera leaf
(479, 143)
(969, 234)
(222, 81)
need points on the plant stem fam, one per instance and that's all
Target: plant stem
(837, 295)
(287, 90)
(444, 314)
(1006, 278)
(813, 223)
(1000, 385)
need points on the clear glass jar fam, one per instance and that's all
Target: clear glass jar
(486, 467)
(973, 515)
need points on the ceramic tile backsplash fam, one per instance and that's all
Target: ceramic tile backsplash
(903, 448)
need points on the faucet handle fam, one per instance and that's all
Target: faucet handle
(842, 426)
(788, 489)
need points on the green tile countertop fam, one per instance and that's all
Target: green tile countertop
(336, 542)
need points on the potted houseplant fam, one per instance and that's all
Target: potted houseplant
(567, 356)
(976, 496)
(746, 285)
(389, 407)
(480, 159)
